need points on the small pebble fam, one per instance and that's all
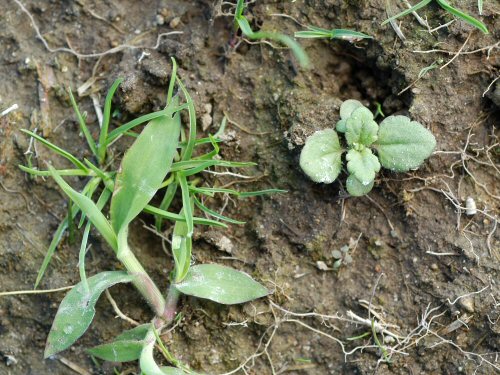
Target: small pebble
(160, 20)
(321, 265)
(470, 206)
(434, 267)
(175, 22)
(10, 360)
(467, 303)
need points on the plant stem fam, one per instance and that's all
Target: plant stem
(171, 304)
(143, 282)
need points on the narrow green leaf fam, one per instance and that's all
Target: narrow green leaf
(312, 34)
(103, 136)
(182, 245)
(465, 17)
(221, 284)
(321, 156)
(403, 144)
(186, 204)
(188, 150)
(356, 188)
(77, 310)
(363, 165)
(89, 208)
(143, 168)
(360, 128)
(297, 50)
(257, 193)
(65, 154)
(83, 125)
(350, 35)
(176, 217)
(414, 8)
(216, 214)
(165, 203)
(62, 172)
(118, 351)
(132, 124)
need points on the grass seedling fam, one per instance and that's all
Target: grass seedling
(240, 22)
(450, 9)
(319, 33)
(163, 155)
(401, 145)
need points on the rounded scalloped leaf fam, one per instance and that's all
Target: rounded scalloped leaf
(348, 107)
(321, 157)
(356, 188)
(341, 126)
(363, 165)
(403, 144)
(360, 128)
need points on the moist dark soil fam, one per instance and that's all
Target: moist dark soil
(425, 268)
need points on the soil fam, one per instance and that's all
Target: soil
(395, 234)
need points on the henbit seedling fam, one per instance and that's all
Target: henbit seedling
(450, 9)
(401, 145)
(344, 34)
(240, 22)
(162, 149)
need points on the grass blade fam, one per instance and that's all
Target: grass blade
(176, 217)
(103, 136)
(465, 17)
(414, 8)
(188, 150)
(286, 40)
(65, 154)
(204, 208)
(246, 194)
(83, 125)
(89, 208)
(62, 172)
(182, 244)
(165, 203)
(186, 204)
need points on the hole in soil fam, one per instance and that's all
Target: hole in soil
(341, 72)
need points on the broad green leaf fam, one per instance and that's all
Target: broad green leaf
(182, 245)
(118, 351)
(360, 128)
(143, 168)
(137, 333)
(363, 165)
(356, 188)
(321, 156)
(403, 144)
(89, 208)
(221, 284)
(147, 362)
(77, 310)
(348, 107)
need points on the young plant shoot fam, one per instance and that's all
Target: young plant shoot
(400, 145)
(313, 32)
(449, 8)
(161, 157)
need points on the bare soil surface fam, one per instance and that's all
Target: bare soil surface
(421, 266)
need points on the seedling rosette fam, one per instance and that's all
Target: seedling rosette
(399, 145)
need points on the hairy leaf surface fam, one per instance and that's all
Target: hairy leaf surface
(363, 165)
(356, 188)
(360, 128)
(403, 144)
(321, 156)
